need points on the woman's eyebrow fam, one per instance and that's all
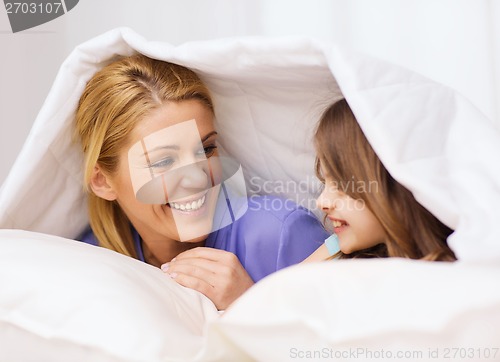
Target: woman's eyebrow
(164, 147)
(175, 147)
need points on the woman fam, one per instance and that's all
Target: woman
(141, 120)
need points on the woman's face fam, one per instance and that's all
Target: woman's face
(169, 149)
(355, 225)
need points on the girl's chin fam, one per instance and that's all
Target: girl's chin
(345, 247)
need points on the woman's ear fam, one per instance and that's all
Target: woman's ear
(100, 185)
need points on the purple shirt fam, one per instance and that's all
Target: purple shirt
(273, 233)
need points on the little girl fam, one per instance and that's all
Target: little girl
(372, 214)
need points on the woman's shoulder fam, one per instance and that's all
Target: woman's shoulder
(273, 218)
(88, 237)
(273, 233)
(273, 208)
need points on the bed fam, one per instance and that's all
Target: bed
(71, 301)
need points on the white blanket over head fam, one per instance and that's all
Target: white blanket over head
(269, 94)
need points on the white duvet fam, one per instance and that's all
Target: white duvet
(268, 95)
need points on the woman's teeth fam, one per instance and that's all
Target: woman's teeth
(189, 206)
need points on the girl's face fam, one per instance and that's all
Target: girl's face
(177, 136)
(355, 225)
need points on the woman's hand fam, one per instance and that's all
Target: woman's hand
(218, 274)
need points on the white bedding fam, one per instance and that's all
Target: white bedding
(64, 300)
(371, 310)
(268, 95)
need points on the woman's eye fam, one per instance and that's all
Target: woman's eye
(162, 164)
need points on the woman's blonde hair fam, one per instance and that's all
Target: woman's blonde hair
(346, 155)
(113, 102)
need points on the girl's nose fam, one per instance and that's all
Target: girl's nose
(324, 202)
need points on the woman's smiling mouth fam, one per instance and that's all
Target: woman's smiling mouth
(192, 206)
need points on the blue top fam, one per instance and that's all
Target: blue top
(272, 234)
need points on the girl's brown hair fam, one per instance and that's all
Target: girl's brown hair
(113, 102)
(345, 154)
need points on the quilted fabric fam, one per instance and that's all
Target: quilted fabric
(268, 95)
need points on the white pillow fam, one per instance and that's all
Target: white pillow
(360, 309)
(63, 300)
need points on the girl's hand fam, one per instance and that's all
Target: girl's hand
(218, 274)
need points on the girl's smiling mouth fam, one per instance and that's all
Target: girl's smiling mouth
(338, 224)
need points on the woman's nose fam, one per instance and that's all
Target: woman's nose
(194, 177)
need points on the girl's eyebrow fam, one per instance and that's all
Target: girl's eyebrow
(208, 136)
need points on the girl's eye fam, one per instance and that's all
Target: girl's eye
(334, 187)
(208, 151)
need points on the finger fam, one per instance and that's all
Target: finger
(197, 284)
(208, 253)
(193, 271)
(199, 263)
(214, 273)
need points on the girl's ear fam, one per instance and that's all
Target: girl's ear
(100, 185)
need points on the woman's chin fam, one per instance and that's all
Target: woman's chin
(194, 232)
(199, 239)
(194, 222)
